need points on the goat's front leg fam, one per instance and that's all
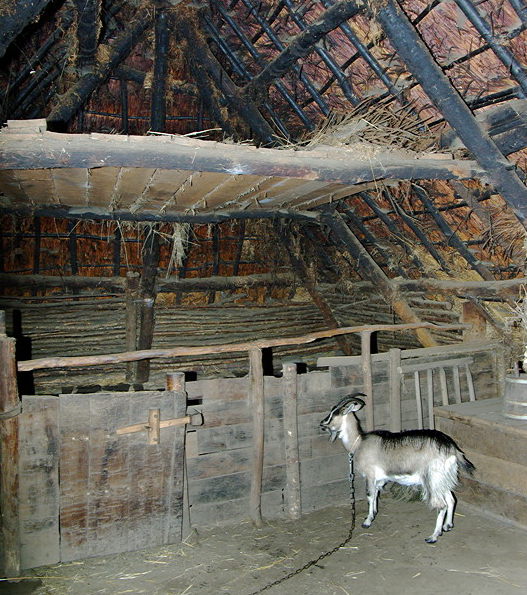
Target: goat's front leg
(372, 492)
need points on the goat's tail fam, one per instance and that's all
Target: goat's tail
(465, 464)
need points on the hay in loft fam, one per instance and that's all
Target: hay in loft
(378, 122)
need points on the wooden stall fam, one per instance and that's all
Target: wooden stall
(130, 470)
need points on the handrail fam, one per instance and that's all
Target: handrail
(133, 356)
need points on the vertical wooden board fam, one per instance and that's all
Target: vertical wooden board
(175, 477)
(150, 469)
(108, 479)
(39, 481)
(74, 423)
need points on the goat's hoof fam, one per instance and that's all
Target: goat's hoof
(448, 527)
(366, 525)
(431, 539)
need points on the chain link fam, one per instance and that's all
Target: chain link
(328, 553)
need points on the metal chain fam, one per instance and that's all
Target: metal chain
(328, 553)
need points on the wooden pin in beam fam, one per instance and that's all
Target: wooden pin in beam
(155, 424)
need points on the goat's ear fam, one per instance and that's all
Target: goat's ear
(353, 405)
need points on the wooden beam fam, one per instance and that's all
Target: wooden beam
(172, 284)
(100, 213)
(208, 73)
(15, 16)
(88, 28)
(300, 46)
(132, 356)
(44, 150)
(70, 102)
(162, 41)
(256, 398)
(491, 290)
(147, 294)
(370, 270)
(9, 479)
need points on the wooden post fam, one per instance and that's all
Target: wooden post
(147, 303)
(367, 377)
(132, 295)
(257, 402)
(9, 480)
(178, 504)
(292, 457)
(395, 390)
(472, 315)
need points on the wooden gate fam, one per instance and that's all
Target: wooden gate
(101, 473)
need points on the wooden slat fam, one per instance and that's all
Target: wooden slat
(71, 185)
(197, 186)
(101, 185)
(230, 190)
(39, 481)
(74, 471)
(38, 185)
(130, 183)
(418, 402)
(10, 186)
(292, 457)
(257, 405)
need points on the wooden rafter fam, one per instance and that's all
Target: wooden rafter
(74, 98)
(370, 270)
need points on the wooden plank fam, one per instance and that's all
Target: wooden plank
(418, 402)
(37, 184)
(444, 387)
(292, 457)
(436, 364)
(74, 471)
(395, 390)
(176, 486)
(101, 183)
(71, 185)
(430, 397)
(9, 453)
(39, 481)
(257, 405)
(367, 378)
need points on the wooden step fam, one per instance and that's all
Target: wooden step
(497, 446)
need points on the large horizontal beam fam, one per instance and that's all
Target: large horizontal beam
(490, 290)
(118, 284)
(20, 149)
(101, 213)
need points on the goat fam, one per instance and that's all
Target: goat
(425, 458)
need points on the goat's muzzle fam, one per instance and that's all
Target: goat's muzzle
(333, 434)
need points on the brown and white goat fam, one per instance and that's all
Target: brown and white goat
(425, 458)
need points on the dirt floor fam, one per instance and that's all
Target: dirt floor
(480, 556)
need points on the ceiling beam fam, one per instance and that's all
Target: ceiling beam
(411, 49)
(97, 213)
(22, 149)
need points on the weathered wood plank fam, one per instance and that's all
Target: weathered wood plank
(39, 481)
(9, 437)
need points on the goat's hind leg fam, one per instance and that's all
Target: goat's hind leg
(449, 520)
(373, 488)
(438, 531)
